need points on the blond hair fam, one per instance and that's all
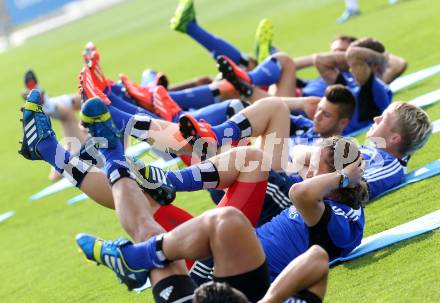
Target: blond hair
(413, 125)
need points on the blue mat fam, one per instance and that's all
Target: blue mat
(7, 215)
(430, 170)
(407, 80)
(394, 235)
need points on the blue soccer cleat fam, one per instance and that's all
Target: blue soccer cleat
(153, 181)
(108, 253)
(36, 126)
(96, 117)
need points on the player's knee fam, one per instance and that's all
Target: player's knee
(285, 60)
(229, 219)
(319, 254)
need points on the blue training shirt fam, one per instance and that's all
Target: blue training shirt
(372, 98)
(286, 236)
(383, 171)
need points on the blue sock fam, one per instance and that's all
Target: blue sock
(196, 97)
(119, 117)
(53, 153)
(236, 128)
(117, 90)
(214, 114)
(195, 177)
(266, 73)
(143, 255)
(114, 160)
(215, 45)
(127, 107)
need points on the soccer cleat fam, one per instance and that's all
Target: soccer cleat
(153, 181)
(346, 15)
(164, 106)
(30, 80)
(36, 126)
(151, 78)
(96, 117)
(140, 94)
(235, 75)
(263, 39)
(87, 88)
(108, 253)
(91, 59)
(183, 15)
(198, 131)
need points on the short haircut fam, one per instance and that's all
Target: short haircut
(340, 95)
(370, 43)
(413, 125)
(346, 38)
(215, 292)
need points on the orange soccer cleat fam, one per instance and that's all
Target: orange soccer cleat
(164, 105)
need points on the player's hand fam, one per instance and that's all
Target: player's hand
(310, 105)
(354, 171)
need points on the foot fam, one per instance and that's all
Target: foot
(151, 78)
(346, 15)
(140, 94)
(87, 88)
(36, 126)
(91, 59)
(263, 40)
(198, 131)
(108, 253)
(183, 15)
(164, 105)
(235, 75)
(95, 116)
(153, 181)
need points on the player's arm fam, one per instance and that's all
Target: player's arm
(360, 60)
(305, 104)
(300, 158)
(329, 65)
(303, 62)
(396, 67)
(307, 196)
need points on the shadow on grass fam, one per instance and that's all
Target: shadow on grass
(383, 253)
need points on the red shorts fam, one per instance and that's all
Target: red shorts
(248, 197)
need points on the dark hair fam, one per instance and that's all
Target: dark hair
(346, 38)
(340, 95)
(215, 292)
(370, 43)
(338, 150)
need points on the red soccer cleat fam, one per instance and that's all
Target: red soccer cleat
(87, 88)
(164, 105)
(199, 134)
(140, 94)
(91, 59)
(235, 75)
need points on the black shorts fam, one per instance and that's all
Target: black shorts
(254, 284)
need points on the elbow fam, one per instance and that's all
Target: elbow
(298, 194)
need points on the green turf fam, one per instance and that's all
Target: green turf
(38, 259)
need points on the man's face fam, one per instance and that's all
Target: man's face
(383, 126)
(339, 45)
(326, 119)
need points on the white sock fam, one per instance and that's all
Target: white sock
(352, 5)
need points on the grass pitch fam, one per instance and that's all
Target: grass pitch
(38, 259)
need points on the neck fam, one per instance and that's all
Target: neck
(394, 152)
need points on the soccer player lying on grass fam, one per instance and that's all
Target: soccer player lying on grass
(61, 108)
(400, 131)
(365, 59)
(313, 217)
(185, 21)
